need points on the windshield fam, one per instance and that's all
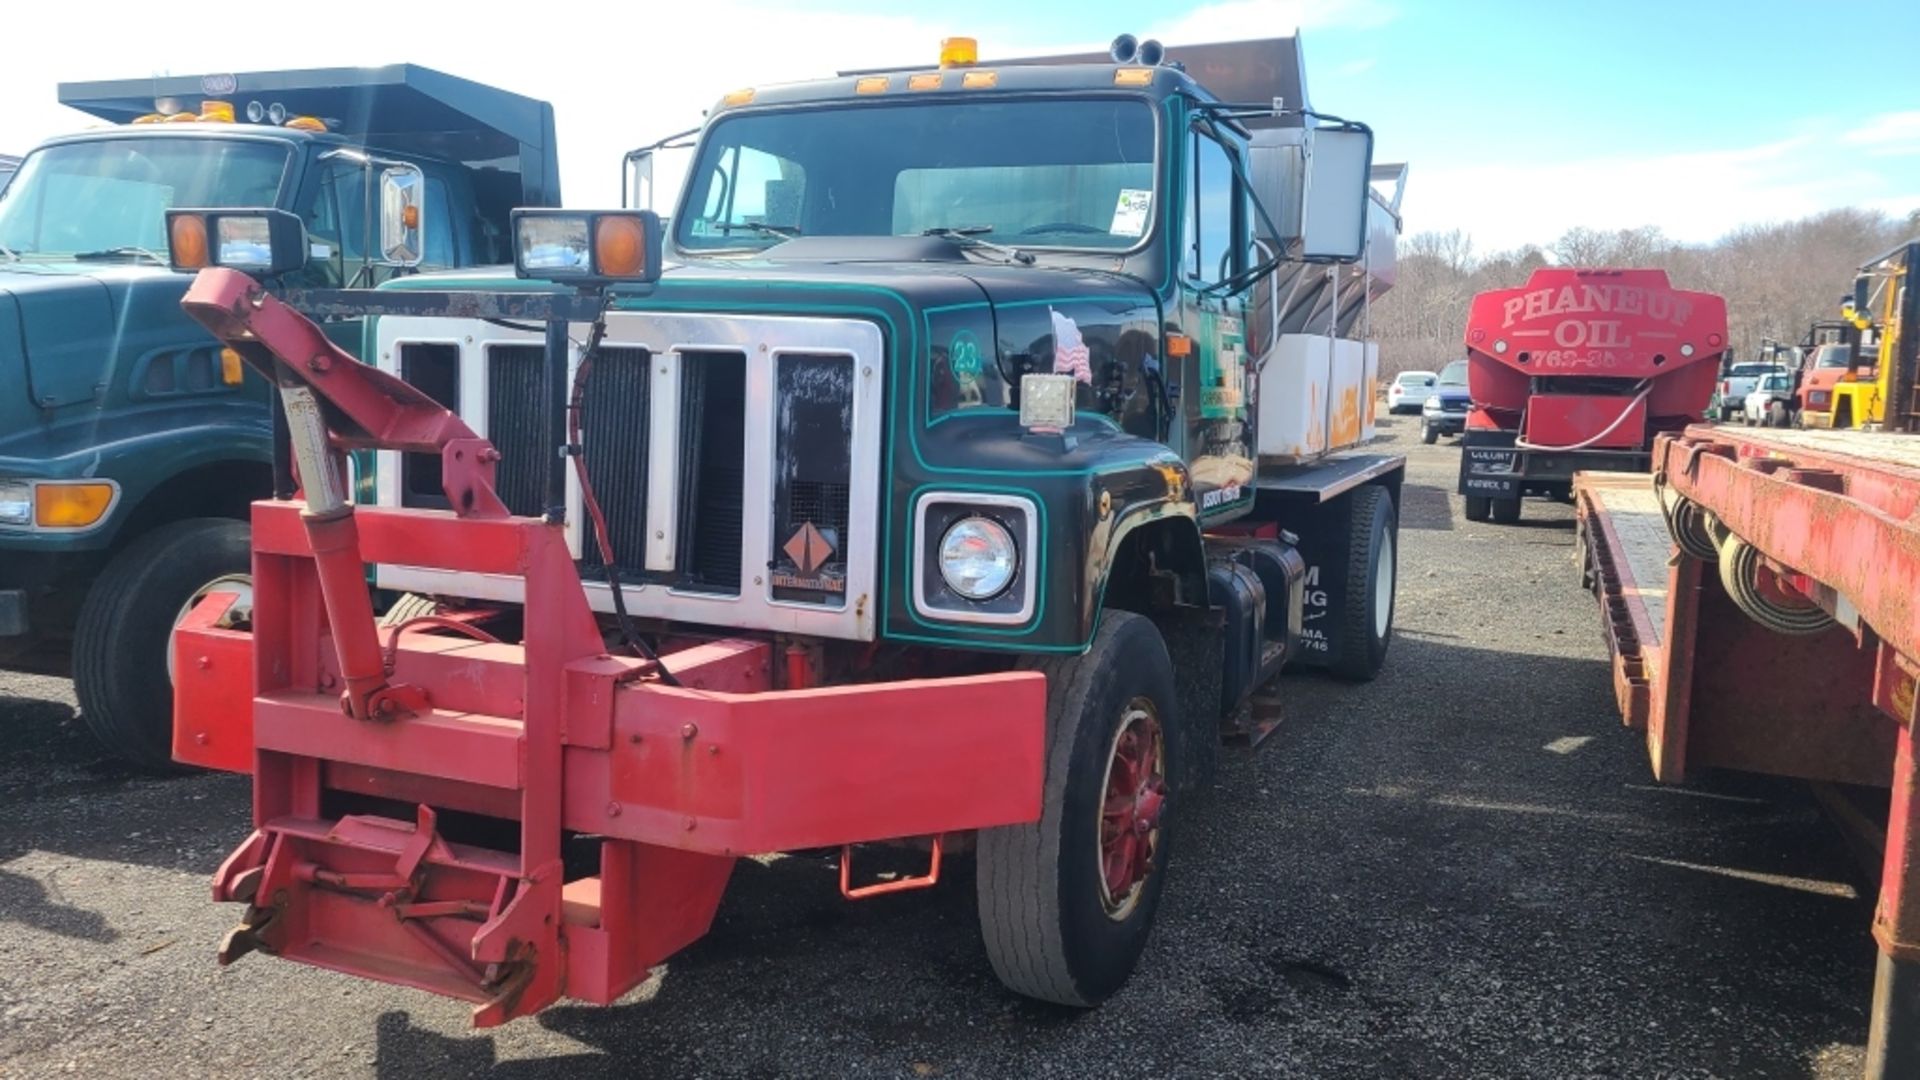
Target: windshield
(1833, 356)
(104, 194)
(1750, 370)
(1454, 374)
(1033, 173)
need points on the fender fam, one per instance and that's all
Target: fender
(140, 452)
(1152, 502)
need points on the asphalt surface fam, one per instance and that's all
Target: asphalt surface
(1462, 869)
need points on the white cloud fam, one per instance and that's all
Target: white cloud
(1895, 134)
(1354, 68)
(1695, 196)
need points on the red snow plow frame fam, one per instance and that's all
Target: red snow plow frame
(553, 733)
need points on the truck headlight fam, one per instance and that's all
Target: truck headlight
(16, 503)
(1432, 404)
(978, 558)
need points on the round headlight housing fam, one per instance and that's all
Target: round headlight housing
(978, 558)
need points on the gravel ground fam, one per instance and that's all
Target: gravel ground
(1461, 869)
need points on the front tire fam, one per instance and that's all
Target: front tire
(1429, 434)
(1479, 507)
(1506, 511)
(123, 637)
(1372, 576)
(1066, 903)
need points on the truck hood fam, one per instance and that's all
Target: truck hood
(66, 329)
(1015, 304)
(64, 325)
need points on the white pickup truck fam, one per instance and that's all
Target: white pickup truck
(1739, 381)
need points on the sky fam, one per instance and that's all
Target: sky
(1519, 119)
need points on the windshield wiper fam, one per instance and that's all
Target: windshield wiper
(969, 236)
(785, 232)
(128, 251)
(12, 255)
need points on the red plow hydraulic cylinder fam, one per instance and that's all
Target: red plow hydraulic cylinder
(494, 751)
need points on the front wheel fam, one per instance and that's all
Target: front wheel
(1479, 507)
(123, 642)
(1506, 511)
(1066, 902)
(1429, 434)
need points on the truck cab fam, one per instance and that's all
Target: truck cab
(130, 442)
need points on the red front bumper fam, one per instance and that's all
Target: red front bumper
(677, 780)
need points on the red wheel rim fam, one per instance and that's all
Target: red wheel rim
(1132, 800)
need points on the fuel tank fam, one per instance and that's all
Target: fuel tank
(1595, 357)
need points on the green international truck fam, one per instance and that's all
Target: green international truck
(130, 442)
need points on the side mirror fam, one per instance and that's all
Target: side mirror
(1339, 169)
(403, 204)
(636, 184)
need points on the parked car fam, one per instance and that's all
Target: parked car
(1736, 384)
(1766, 405)
(1409, 389)
(1445, 410)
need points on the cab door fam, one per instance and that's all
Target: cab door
(1209, 338)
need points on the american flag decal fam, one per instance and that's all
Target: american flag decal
(1070, 355)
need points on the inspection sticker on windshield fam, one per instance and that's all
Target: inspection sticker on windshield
(1130, 215)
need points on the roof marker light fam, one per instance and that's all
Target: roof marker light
(872, 84)
(1133, 76)
(929, 81)
(979, 80)
(959, 52)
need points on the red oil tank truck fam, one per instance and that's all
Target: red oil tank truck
(1580, 369)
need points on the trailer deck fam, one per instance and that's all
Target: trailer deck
(1803, 522)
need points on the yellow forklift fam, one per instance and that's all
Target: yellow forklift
(1880, 391)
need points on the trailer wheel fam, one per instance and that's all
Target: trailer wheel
(408, 607)
(1506, 511)
(1479, 507)
(1740, 574)
(1688, 525)
(123, 641)
(1066, 903)
(1372, 576)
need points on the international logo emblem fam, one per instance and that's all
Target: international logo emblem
(809, 549)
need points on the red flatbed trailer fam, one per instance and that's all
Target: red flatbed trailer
(1761, 598)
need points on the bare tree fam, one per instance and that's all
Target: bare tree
(1776, 278)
